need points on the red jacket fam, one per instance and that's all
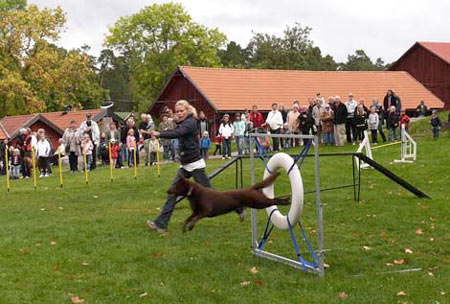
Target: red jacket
(257, 119)
(405, 120)
(115, 151)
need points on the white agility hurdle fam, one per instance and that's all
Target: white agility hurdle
(364, 145)
(289, 221)
(409, 148)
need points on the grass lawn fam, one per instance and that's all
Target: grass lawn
(90, 241)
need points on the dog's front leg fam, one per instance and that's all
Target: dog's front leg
(194, 220)
(187, 221)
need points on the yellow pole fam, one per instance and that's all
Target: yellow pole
(157, 157)
(386, 145)
(33, 159)
(110, 163)
(7, 169)
(60, 168)
(85, 167)
(135, 168)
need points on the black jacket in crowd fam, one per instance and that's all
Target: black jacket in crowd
(392, 120)
(198, 125)
(187, 133)
(124, 134)
(340, 114)
(305, 122)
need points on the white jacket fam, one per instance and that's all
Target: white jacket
(95, 131)
(373, 121)
(226, 130)
(42, 148)
(274, 120)
(351, 106)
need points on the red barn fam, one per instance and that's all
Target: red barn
(429, 63)
(216, 91)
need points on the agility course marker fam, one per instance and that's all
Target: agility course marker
(110, 163)
(386, 145)
(86, 174)
(7, 169)
(409, 148)
(60, 169)
(33, 159)
(257, 247)
(157, 157)
(364, 145)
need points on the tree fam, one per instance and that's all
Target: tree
(234, 56)
(361, 62)
(157, 39)
(35, 75)
(7, 5)
(294, 51)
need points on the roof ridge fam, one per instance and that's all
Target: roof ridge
(280, 70)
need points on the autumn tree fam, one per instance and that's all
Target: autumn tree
(157, 39)
(35, 75)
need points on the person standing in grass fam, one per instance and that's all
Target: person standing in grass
(248, 130)
(326, 119)
(218, 142)
(392, 124)
(72, 142)
(340, 119)
(114, 152)
(226, 131)
(192, 164)
(88, 148)
(360, 121)
(435, 123)
(43, 152)
(239, 130)
(373, 123)
(131, 147)
(404, 120)
(205, 144)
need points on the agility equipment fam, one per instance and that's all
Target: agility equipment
(7, 169)
(110, 163)
(86, 174)
(409, 148)
(364, 145)
(289, 221)
(134, 160)
(61, 182)
(33, 159)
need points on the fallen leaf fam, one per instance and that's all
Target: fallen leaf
(409, 251)
(258, 283)
(431, 274)
(254, 270)
(342, 295)
(95, 196)
(42, 209)
(245, 283)
(401, 294)
(442, 293)
(164, 234)
(38, 244)
(157, 255)
(399, 262)
(426, 206)
(430, 182)
(371, 186)
(389, 264)
(26, 251)
(84, 264)
(68, 278)
(52, 243)
(419, 231)
(143, 295)
(326, 266)
(313, 231)
(431, 239)
(60, 208)
(55, 268)
(158, 208)
(356, 233)
(76, 299)
(366, 248)
(207, 244)
(383, 234)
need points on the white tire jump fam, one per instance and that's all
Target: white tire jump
(277, 161)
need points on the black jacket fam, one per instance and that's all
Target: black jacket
(187, 132)
(124, 134)
(340, 114)
(392, 120)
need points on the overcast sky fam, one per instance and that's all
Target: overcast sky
(383, 28)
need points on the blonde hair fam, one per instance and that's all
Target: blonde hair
(188, 106)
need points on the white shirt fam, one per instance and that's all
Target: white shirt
(226, 130)
(43, 148)
(351, 106)
(199, 164)
(274, 120)
(95, 131)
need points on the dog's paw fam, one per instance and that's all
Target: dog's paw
(284, 202)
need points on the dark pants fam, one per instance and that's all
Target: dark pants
(94, 158)
(199, 176)
(204, 153)
(218, 149)
(226, 149)
(380, 129)
(374, 136)
(435, 131)
(43, 165)
(350, 130)
(276, 140)
(73, 162)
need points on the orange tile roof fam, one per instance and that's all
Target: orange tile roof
(13, 123)
(3, 134)
(237, 89)
(62, 121)
(440, 49)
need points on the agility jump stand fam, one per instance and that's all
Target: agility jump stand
(289, 221)
(364, 145)
(409, 148)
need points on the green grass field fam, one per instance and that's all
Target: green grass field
(90, 241)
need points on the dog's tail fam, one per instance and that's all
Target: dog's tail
(267, 182)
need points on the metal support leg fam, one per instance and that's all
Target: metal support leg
(319, 208)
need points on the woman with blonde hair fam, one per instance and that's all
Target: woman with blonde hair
(192, 164)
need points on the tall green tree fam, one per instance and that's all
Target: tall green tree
(157, 39)
(35, 75)
(233, 56)
(7, 5)
(361, 62)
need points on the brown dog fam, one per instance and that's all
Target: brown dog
(207, 202)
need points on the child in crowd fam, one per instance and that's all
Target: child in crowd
(374, 120)
(114, 152)
(16, 161)
(435, 124)
(392, 124)
(131, 146)
(326, 119)
(153, 149)
(43, 152)
(218, 143)
(61, 148)
(87, 147)
(360, 122)
(404, 120)
(205, 144)
(226, 130)
(248, 130)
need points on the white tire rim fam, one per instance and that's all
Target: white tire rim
(277, 161)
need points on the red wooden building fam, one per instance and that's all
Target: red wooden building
(217, 91)
(429, 63)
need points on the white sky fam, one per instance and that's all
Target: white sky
(383, 28)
